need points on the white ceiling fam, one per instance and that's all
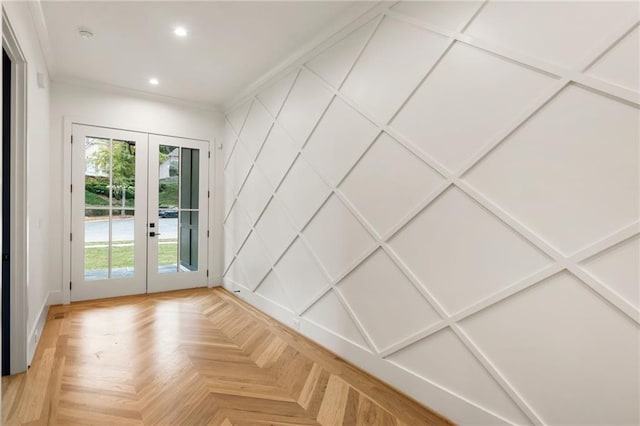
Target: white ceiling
(229, 46)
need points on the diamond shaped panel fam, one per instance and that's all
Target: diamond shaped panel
(329, 314)
(346, 242)
(485, 97)
(236, 274)
(237, 170)
(462, 253)
(388, 175)
(238, 115)
(303, 107)
(555, 175)
(273, 96)
(277, 155)
(542, 29)
(393, 62)
(253, 260)
(619, 269)
(238, 226)
(458, 371)
(229, 141)
(302, 192)
(558, 336)
(255, 129)
(338, 141)
(255, 194)
(271, 289)
(229, 249)
(385, 302)
(301, 277)
(621, 65)
(334, 63)
(275, 229)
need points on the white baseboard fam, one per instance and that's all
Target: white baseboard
(423, 391)
(36, 331)
(55, 298)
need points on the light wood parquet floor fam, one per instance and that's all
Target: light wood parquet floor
(190, 358)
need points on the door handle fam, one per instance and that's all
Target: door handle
(153, 234)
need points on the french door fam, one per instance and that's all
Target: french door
(139, 213)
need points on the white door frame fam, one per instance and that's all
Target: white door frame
(67, 130)
(19, 149)
(156, 281)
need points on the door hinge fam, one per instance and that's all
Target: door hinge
(70, 285)
(209, 155)
(70, 236)
(208, 194)
(71, 139)
(71, 188)
(207, 233)
(207, 272)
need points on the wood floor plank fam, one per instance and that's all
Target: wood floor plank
(192, 357)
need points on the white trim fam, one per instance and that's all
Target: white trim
(19, 232)
(36, 331)
(112, 88)
(67, 220)
(452, 179)
(428, 393)
(35, 8)
(55, 298)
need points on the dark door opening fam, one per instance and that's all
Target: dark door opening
(6, 209)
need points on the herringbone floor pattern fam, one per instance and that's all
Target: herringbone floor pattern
(189, 358)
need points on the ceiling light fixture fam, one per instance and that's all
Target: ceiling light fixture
(180, 31)
(154, 81)
(85, 33)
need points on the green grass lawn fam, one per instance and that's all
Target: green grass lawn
(122, 256)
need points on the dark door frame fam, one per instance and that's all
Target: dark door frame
(6, 212)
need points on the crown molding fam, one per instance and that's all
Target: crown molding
(105, 87)
(37, 16)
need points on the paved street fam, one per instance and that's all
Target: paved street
(98, 230)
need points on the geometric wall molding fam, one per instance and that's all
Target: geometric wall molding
(458, 371)
(562, 335)
(273, 96)
(334, 63)
(401, 180)
(484, 251)
(493, 92)
(621, 65)
(570, 129)
(617, 268)
(390, 66)
(330, 314)
(541, 28)
(386, 319)
(450, 193)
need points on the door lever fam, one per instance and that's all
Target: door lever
(153, 234)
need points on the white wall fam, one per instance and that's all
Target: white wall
(122, 109)
(448, 197)
(38, 199)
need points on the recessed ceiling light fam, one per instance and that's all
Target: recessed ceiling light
(85, 33)
(180, 31)
(154, 81)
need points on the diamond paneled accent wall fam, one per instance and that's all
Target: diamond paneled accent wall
(447, 195)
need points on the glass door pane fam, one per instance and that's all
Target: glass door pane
(109, 198)
(177, 239)
(108, 212)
